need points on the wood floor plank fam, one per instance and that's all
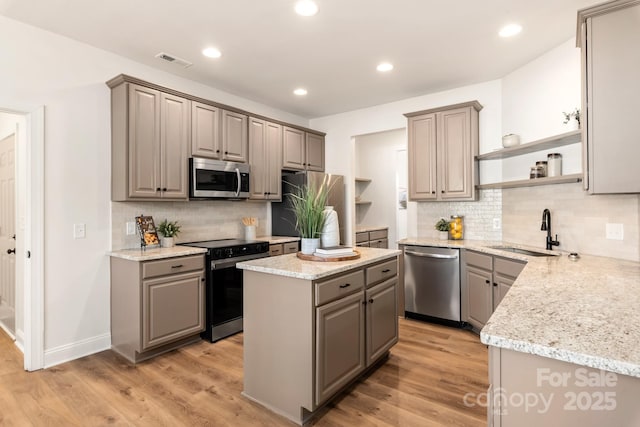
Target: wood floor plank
(422, 383)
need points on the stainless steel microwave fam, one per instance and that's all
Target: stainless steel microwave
(214, 179)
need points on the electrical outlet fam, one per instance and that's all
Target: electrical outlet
(131, 228)
(497, 223)
(79, 231)
(615, 231)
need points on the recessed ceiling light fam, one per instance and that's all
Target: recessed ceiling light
(211, 52)
(300, 91)
(510, 30)
(383, 67)
(306, 8)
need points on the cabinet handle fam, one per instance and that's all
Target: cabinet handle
(370, 300)
(217, 151)
(158, 189)
(442, 191)
(202, 280)
(177, 266)
(226, 152)
(495, 284)
(487, 281)
(386, 270)
(164, 189)
(346, 285)
(433, 192)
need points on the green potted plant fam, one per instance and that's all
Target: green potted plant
(443, 229)
(308, 203)
(169, 229)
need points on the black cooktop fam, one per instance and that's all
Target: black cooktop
(229, 248)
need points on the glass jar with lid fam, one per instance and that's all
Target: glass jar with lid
(536, 172)
(456, 227)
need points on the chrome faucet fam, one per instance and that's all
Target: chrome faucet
(546, 226)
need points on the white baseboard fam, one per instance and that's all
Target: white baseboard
(20, 340)
(76, 350)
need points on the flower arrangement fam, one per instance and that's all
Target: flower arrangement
(169, 228)
(442, 225)
(573, 114)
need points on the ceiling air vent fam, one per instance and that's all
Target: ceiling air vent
(174, 59)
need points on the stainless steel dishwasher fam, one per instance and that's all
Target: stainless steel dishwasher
(432, 284)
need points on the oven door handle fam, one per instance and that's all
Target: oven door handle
(231, 262)
(238, 175)
(425, 255)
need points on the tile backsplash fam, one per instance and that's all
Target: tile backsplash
(478, 216)
(200, 220)
(578, 218)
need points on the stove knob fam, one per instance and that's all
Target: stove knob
(229, 252)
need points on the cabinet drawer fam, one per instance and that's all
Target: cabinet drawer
(275, 250)
(507, 267)
(338, 287)
(479, 260)
(363, 236)
(382, 243)
(381, 272)
(363, 244)
(290, 248)
(172, 266)
(378, 234)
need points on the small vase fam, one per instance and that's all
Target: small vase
(443, 235)
(168, 242)
(573, 124)
(309, 246)
(330, 231)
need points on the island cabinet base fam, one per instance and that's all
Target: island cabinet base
(529, 390)
(306, 340)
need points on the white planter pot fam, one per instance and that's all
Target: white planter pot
(309, 246)
(443, 235)
(168, 242)
(573, 124)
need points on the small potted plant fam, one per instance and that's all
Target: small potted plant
(308, 203)
(572, 118)
(443, 229)
(169, 229)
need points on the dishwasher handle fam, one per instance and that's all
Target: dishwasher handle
(424, 255)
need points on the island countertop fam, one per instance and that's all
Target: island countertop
(292, 266)
(583, 312)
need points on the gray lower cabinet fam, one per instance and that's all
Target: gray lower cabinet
(487, 279)
(382, 310)
(283, 248)
(156, 306)
(373, 238)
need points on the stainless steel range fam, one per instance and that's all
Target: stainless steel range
(224, 283)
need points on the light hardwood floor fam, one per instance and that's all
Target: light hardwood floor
(421, 384)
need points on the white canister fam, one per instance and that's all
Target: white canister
(249, 232)
(554, 164)
(331, 230)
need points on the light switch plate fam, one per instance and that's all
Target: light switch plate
(497, 223)
(79, 231)
(615, 231)
(131, 228)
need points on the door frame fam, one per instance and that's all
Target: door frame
(30, 169)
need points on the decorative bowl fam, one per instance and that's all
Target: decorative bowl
(510, 140)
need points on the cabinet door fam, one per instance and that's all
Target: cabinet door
(275, 250)
(293, 149)
(422, 157)
(234, 137)
(314, 152)
(479, 289)
(290, 247)
(455, 154)
(144, 142)
(205, 130)
(612, 68)
(340, 348)
(258, 159)
(501, 285)
(172, 308)
(273, 176)
(174, 144)
(382, 319)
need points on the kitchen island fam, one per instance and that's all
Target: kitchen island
(563, 343)
(312, 328)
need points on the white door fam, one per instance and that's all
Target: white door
(7, 230)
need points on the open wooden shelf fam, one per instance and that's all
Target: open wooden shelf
(363, 202)
(539, 145)
(564, 179)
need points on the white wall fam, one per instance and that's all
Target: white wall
(534, 97)
(67, 77)
(341, 128)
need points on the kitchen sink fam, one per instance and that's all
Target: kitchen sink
(523, 251)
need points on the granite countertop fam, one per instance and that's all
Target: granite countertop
(156, 253)
(364, 228)
(274, 240)
(292, 266)
(583, 312)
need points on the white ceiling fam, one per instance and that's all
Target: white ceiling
(268, 50)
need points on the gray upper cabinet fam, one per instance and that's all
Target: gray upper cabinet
(205, 131)
(265, 159)
(234, 137)
(609, 37)
(442, 150)
(150, 140)
(302, 150)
